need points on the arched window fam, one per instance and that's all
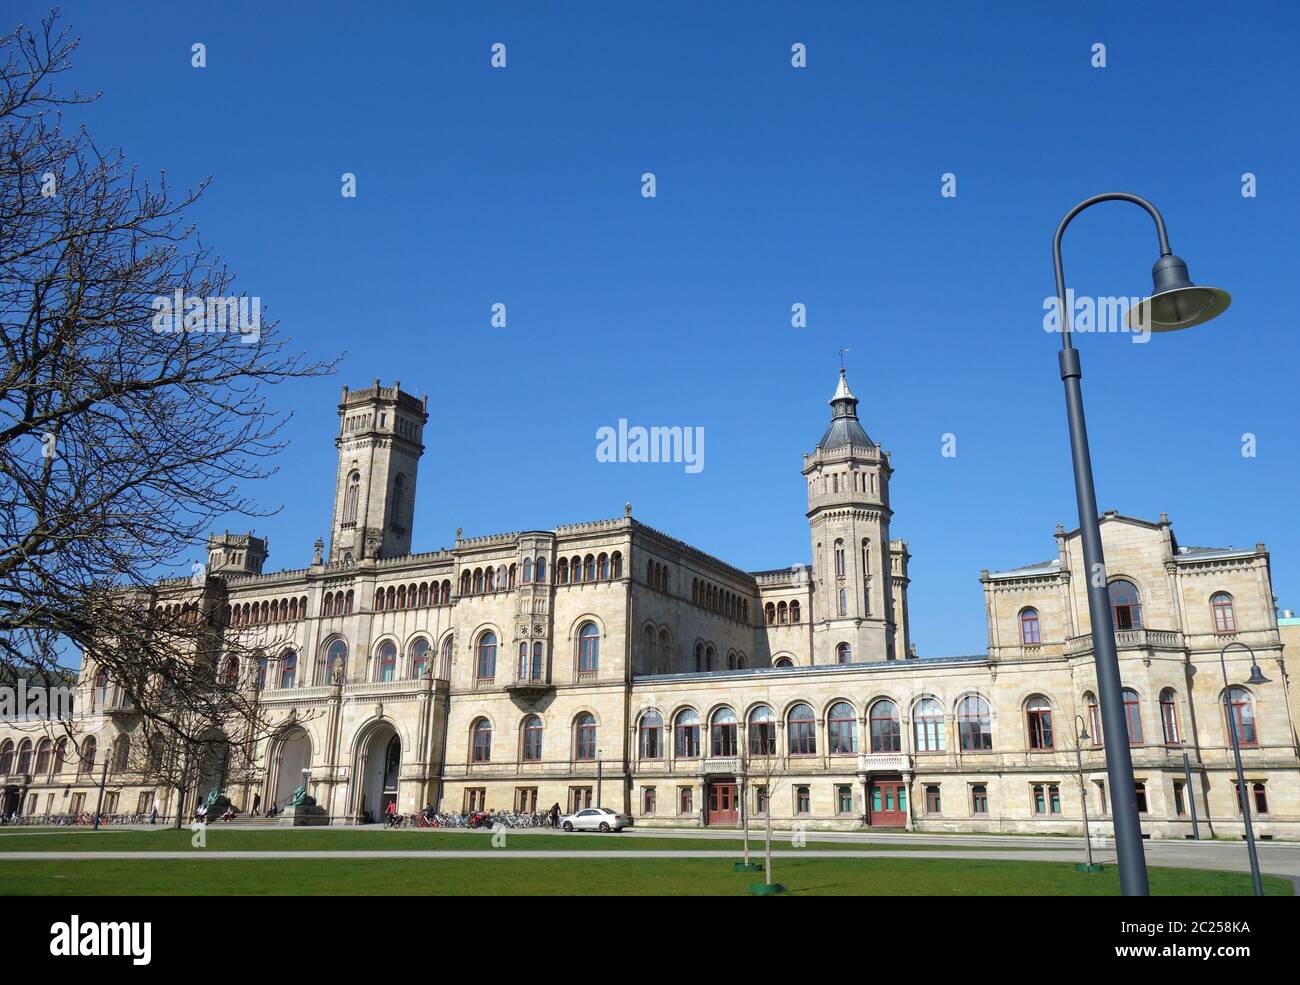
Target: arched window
(262, 664)
(974, 724)
(1133, 716)
(540, 571)
(886, 735)
(481, 746)
(424, 593)
(562, 571)
(386, 661)
(699, 657)
(532, 751)
(782, 614)
(1225, 618)
(589, 569)
(288, 667)
(419, 654)
(602, 564)
(121, 754)
(401, 597)
(485, 668)
(1169, 716)
(794, 611)
(927, 725)
(1240, 712)
(762, 732)
(584, 737)
(839, 559)
(6, 757)
(478, 580)
(616, 565)
(44, 753)
(99, 699)
(1094, 718)
(528, 571)
(1029, 631)
(336, 662)
(844, 654)
(722, 733)
(588, 648)
(25, 756)
(648, 663)
(709, 653)
(650, 735)
(60, 756)
(88, 750)
(783, 662)
(350, 498)
(1125, 604)
(444, 670)
(844, 602)
(842, 729)
(686, 734)
(801, 731)
(665, 650)
(464, 582)
(231, 671)
(1038, 715)
(769, 614)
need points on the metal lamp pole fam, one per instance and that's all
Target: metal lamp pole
(1083, 790)
(1191, 794)
(1256, 677)
(1175, 303)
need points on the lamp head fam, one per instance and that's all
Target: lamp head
(1257, 675)
(1083, 734)
(1176, 302)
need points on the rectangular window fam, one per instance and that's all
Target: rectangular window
(802, 801)
(1180, 807)
(1054, 798)
(1101, 790)
(844, 800)
(1140, 791)
(78, 803)
(110, 803)
(579, 799)
(933, 805)
(648, 800)
(685, 800)
(1259, 796)
(526, 800)
(1040, 798)
(475, 798)
(144, 803)
(979, 799)
(760, 800)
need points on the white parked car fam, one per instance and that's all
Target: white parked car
(595, 819)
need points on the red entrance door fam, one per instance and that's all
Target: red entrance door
(887, 807)
(723, 808)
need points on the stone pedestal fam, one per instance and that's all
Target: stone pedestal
(305, 814)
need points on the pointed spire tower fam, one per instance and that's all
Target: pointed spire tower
(860, 576)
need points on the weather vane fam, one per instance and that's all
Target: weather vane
(843, 349)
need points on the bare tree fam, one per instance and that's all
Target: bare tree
(132, 410)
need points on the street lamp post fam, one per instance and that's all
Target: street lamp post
(1174, 303)
(1256, 677)
(1083, 790)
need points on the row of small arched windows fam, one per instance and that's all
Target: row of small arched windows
(51, 758)
(781, 613)
(719, 600)
(531, 732)
(413, 596)
(274, 610)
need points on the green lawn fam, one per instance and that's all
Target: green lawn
(593, 877)
(291, 839)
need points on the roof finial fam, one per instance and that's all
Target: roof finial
(843, 349)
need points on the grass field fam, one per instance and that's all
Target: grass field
(592, 877)
(288, 840)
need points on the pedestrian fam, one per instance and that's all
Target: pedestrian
(257, 803)
(555, 814)
(153, 815)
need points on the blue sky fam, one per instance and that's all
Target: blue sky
(775, 185)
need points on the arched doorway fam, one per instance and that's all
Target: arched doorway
(214, 765)
(292, 757)
(381, 766)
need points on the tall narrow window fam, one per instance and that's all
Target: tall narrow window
(686, 735)
(350, 497)
(481, 747)
(336, 662)
(1169, 716)
(588, 648)
(532, 752)
(537, 661)
(288, 668)
(842, 729)
(1225, 618)
(839, 559)
(387, 661)
(584, 737)
(486, 668)
(650, 735)
(1029, 633)
(762, 732)
(419, 657)
(722, 733)
(1240, 713)
(1133, 716)
(1094, 718)
(844, 654)
(1039, 717)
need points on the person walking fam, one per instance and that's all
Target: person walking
(555, 814)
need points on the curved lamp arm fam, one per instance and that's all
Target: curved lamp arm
(1087, 203)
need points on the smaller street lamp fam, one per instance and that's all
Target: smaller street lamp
(1079, 740)
(1256, 677)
